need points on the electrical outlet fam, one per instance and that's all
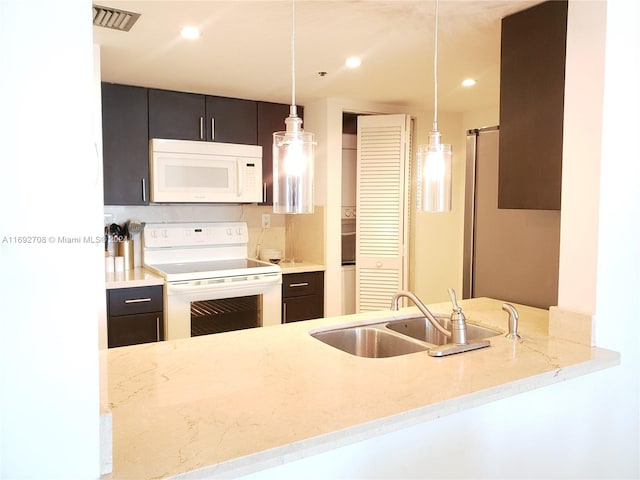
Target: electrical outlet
(266, 220)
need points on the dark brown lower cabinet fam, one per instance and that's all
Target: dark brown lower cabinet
(134, 329)
(134, 315)
(302, 296)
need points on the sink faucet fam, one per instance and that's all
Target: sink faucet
(458, 333)
(395, 305)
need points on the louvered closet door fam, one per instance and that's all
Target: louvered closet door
(384, 149)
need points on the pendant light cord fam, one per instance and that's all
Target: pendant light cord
(435, 74)
(293, 58)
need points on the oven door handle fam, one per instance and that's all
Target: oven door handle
(190, 287)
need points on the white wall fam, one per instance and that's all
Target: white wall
(587, 427)
(581, 157)
(50, 187)
(437, 240)
(488, 117)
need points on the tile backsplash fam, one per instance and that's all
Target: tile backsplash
(298, 235)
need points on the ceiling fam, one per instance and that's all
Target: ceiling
(244, 49)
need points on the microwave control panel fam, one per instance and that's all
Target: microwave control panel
(250, 174)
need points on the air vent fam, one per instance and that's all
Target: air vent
(112, 18)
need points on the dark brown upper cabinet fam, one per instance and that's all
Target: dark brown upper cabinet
(193, 116)
(532, 72)
(176, 115)
(133, 115)
(231, 120)
(125, 145)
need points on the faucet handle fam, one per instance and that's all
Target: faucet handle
(454, 300)
(513, 321)
(458, 322)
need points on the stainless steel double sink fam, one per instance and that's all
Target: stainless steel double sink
(390, 338)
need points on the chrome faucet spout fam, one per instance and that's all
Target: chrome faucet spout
(395, 305)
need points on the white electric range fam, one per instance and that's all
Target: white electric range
(211, 284)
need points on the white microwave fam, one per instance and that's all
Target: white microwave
(184, 171)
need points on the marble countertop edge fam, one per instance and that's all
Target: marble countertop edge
(322, 443)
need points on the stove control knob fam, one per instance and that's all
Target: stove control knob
(229, 231)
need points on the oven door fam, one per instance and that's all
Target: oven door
(203, 307)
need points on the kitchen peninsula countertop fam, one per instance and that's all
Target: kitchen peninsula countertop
(238, 402)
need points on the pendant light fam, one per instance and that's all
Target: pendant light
(434, 159)
(293, 152)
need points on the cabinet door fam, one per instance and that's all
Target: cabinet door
(231, 120)
(176, 115)
(271, 118)
(302, 296)
(302, 308)
(532, 70)
(134, 329)
(125, 145)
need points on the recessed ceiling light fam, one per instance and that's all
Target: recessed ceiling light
(353, 62)
(468, 82)
(190, 33)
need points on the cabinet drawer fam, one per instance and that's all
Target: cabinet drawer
(134, 329)
(130, 301)
(299, 284)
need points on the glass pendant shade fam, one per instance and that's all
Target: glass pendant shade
(293, 155)
(434, 159)
(434, 177)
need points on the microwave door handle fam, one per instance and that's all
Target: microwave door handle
(239, 176)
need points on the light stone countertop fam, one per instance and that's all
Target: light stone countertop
(300, 267)
(138, 277)
(237, 402)
(141, 277)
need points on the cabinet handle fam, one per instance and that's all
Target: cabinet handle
(137, 300)
(144, 190)
(213, 128)
(264, 192)
(284, 312)
(201, 128)
(157, 329)
(301, 284)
